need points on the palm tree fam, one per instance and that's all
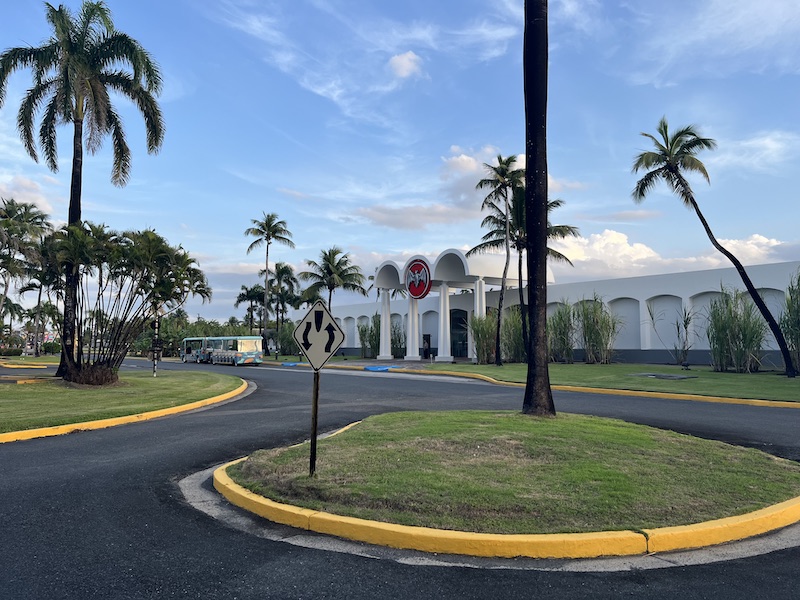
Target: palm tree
(40, 275)
(309, 297)
(675, 154)
(538, 397)
(22, 226)
(494, 239)
(267, 230)
(334, 270)
(252, 295)
(75, 73)
(285, 287)
(502, 180)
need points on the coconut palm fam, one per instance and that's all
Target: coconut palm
(267, 230)
(333, 271)
(75, 73)
(494, 239)
(285, 287)
(674, 154)
(22, 226)
(501, 181)
(40, 275)
(309, 297)
(252, 295)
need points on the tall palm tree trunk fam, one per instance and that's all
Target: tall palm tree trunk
(538, 398)
(6, 287)
(37, 330)
(522, 311)
(498, 356)
(264, 315)
(751, 289)
(67, 366)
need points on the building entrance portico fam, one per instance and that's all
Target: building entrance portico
(450, 272)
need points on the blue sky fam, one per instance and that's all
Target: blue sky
(366, 124)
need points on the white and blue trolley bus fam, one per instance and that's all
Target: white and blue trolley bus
(223, 350)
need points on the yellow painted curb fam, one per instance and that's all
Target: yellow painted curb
(566, 545)
(616, 392)
(671, 396)
(16, 366)
(28, 434)
(720, 531)
(558, 545)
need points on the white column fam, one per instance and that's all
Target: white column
(443, 354)
(480, 298)
(412, 330)
(646, 334)
(479, 310)
(385, 352)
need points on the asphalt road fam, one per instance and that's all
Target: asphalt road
(98, 514)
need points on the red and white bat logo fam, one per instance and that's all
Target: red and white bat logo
(418, 279)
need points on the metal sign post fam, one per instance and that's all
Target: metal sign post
(319, 337)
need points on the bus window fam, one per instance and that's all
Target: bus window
(249, 345)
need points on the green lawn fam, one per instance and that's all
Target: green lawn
(503, 472)
(767, 385)
(48, 403)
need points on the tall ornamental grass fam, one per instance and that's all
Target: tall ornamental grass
(736, 332)
(790, 319)
(561, 334)
(599, 328)
(483, 330)
(398, 339)
(369, 336)
(511, 341)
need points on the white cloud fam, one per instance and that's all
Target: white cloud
(556, 186)
(292, 193)
(405, 65)
(717, 38)
(622, 216)
(583, 15)
(27, 190)
(764, 152)
(488, 39)
(612, 254)
(463, 163)
(416, 218)
(754, 250)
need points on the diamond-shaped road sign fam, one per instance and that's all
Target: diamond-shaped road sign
(318, 335)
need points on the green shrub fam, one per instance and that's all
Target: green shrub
(10, 351)
(286, 342)
(51, 348)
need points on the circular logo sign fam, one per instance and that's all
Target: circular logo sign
(418, 279)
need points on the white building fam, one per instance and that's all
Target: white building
(647, 306)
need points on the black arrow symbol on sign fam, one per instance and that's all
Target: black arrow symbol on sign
(330, 329)
(306, 343)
